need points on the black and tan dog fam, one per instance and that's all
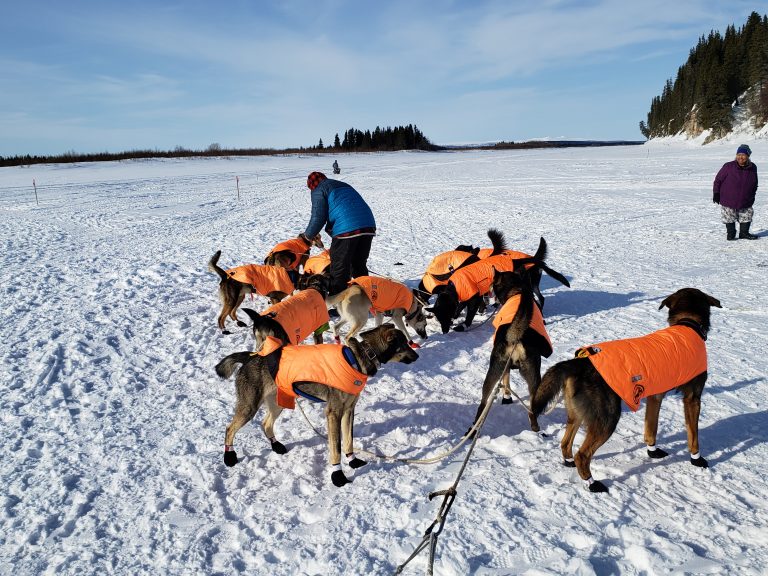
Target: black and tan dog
(520, 339)
(292, 253)
(468, 285)
(295, 318)
(236, 283)
(332, 373)
(602, 375)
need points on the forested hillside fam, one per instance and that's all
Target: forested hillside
(722, 72)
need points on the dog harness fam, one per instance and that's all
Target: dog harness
(506, 314)
(478, 276)
(442, 266)
(263, 278)
(318, 263)
(296, 246)
(638, 367)
(299, 315)
(385, 294)
(329, 364)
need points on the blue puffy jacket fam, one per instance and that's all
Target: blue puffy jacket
(340, 208)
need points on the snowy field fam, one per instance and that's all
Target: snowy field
(113, 419)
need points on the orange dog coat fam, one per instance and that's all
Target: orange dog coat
(318, 263)
(299, 315)
(263, 278)
(508, 311)
(296, 246)
(478, 276)
(638, 367)
(441, 265)
(323, 363)
(385, 294)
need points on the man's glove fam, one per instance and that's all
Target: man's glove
(716, 197)
(304, 239)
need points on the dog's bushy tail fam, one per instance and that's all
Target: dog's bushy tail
(229, 365)
(497, 241)
(549, 390)
(540, 260)
(213, 265)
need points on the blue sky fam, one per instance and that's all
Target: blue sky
(110, 76)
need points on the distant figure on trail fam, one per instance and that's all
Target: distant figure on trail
(349, 222)
(734, 189)
(336, 169)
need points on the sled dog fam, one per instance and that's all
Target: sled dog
(277, 378)
(602, 375)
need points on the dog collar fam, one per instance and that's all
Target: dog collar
(695, 326)
(369, 353)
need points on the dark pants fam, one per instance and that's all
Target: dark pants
(349, 259)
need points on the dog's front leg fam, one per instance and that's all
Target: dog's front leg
(397, 318)
(347, 433)
(334, 445)
(652, 409)
(472, 306)
(692, 407)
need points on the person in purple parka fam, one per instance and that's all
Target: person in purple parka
(734, 189)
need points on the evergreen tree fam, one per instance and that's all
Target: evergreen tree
(719, 70)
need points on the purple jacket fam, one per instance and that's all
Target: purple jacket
(737, 186)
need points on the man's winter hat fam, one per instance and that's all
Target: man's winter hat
(314, 179)
(744, 149)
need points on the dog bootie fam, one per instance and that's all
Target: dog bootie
(339, 479)
(730, 230)
(744, 231)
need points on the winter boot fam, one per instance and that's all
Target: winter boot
(744, 231)
(731, 229)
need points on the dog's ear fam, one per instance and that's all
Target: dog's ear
(669, 301)
(713, 301)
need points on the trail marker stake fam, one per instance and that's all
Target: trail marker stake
(35, 187)
(237, 181)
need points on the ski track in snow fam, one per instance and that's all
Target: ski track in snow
(113, 417)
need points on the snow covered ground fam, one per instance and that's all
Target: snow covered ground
(113, 418)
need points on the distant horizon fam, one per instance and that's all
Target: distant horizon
(95, 76)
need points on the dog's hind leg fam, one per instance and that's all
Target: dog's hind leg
(598, 433)
(233, 313)
(268, 424)
(506, 390)
(652, 408)
(357, 325)
(245, 410)
(496, 370)
(530, 370)
(572, 426)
